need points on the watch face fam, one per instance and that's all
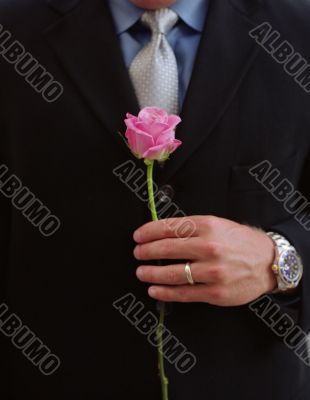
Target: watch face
(290, 267)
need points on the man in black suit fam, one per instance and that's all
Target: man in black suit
(73, 276)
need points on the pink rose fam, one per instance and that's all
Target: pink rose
(151, 135)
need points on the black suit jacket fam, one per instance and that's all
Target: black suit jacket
(241, 108)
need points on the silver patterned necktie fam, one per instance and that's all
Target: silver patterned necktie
(154, 71)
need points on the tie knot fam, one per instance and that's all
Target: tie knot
(160, 21)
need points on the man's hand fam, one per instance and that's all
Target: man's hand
(230, 263)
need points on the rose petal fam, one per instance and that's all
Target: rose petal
(155, 130)
(161, 152)
(173, 121)
(138, 142)
(128, 115)
(166, 137)
(133, 124)
(150, 115)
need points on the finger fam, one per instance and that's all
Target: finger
(168, 228)
(212, 294)
(175, 274)
(172, 249)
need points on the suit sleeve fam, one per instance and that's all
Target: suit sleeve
(5, 212)
(298, 234)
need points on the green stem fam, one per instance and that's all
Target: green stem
(159, 330)
(161, 363)
(150, 187)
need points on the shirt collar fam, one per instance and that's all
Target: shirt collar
(192, 12)
(126, 14)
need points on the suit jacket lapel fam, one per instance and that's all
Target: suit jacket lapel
(84, 40)
(225, 55)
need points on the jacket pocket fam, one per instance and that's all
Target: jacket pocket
(250, 202)
(242, 180)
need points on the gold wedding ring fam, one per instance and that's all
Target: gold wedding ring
(188, 273)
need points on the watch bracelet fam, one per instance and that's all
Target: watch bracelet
(279, 242)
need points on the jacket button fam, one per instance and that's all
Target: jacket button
(166, 193)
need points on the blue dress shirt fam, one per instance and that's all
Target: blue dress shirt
(184, 38)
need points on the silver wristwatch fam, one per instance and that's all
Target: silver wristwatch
(287, 265)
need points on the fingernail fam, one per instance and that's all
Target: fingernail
(136, 236)
(139, 273)
(152, 291)
(136, 252)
